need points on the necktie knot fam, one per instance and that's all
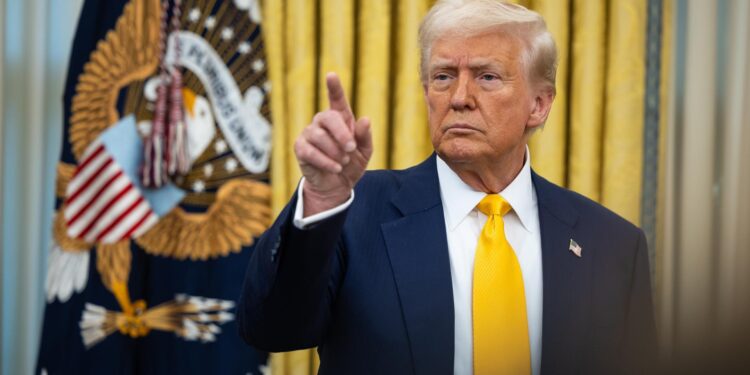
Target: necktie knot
(493, 204)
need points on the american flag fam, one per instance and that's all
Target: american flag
(575, 248)
(102, 204)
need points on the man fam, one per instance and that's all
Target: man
(468, 262)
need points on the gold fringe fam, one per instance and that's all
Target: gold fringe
(241, 211)
(65, 173)
(128, 53)
(60, 234)
(113, 263)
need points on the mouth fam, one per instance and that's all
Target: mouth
(460, 128)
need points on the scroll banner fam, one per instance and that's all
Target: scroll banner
(247, 131)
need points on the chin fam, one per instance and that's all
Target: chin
(454, 152)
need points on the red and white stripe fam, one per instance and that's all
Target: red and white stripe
(102, 204)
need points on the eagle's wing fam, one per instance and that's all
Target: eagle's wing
(128, 53)
(241, 211)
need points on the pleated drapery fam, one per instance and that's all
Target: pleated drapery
(372, 45)
(591, 143)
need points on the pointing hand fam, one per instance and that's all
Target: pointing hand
(332, 152)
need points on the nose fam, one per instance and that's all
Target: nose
(463, 94)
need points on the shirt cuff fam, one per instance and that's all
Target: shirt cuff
(304, 223)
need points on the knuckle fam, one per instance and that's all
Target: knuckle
(317, 118)
(337, 116)
(307, 153)
(321, 116)
(302, 149)
(318, 133)
(329, 121)
(343, 137)
(306, 131)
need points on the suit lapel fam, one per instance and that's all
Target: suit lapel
(418, 251)
(566, 282)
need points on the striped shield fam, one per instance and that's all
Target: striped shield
(102, 204)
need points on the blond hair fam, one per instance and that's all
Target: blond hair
(472, 17)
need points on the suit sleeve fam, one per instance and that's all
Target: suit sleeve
(641, 349)
(289, 284)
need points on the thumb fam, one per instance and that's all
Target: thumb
(363, 136)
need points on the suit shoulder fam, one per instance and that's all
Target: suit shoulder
(381, 180)
(593, 211)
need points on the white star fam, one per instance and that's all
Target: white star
(210, 22)
(244, 48)
(220, 146)
(267, 86)
(194, 14)
(227, 33)
(251, 6)
(199, 186)
(258, 65)
(208, 170)
(243, 4)
(264, 369)
(231, 165)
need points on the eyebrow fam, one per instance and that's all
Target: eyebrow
(478, 64)
(442, 64)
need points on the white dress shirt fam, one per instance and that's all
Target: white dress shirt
(463, 223)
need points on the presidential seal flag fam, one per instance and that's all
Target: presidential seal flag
(162, 188)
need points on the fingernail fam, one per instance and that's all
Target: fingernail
(345, 160)
(337, 169)
(350, 146)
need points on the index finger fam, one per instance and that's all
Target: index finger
(337, 97)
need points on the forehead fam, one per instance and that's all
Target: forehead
(488, 46)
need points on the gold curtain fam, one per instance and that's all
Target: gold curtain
(372, 45)
(592, 142)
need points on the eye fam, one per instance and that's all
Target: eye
(441, 77)
(488, 77)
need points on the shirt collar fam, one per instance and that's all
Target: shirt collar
(459, 199)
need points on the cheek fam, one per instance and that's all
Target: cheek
(504, 126)
(435, 133)
(435, 103)
(435, 113)
(508, 115)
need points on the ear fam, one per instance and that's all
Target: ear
(540, 108)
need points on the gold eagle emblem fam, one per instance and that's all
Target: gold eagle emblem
(227, 204)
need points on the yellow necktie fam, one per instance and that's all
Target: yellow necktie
(501, 337)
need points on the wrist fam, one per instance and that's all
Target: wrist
(317, 201)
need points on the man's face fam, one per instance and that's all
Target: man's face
(479, 100)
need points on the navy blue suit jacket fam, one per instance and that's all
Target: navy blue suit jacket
(371, 286)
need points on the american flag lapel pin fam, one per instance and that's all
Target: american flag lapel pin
(575, 248)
